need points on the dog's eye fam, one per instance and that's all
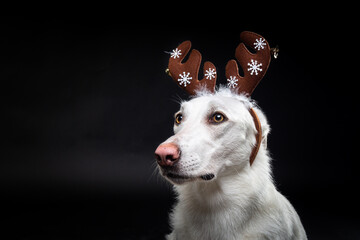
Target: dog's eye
(178, 118)
(217, 118)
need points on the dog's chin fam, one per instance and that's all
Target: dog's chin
(179, 179)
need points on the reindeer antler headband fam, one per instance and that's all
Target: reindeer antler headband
(254, 66)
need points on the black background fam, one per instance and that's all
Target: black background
(86, 101)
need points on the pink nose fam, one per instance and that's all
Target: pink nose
(167, 154)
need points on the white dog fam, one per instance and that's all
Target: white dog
(220, 195)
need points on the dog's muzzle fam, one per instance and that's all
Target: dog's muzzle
(167, 155)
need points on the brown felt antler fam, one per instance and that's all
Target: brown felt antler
(186, 74)
(254, 65)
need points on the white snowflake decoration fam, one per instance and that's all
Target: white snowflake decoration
(260, 43)
(232, 82)
(210, 74)
(254, 67)
(184, 79)
(175, 53)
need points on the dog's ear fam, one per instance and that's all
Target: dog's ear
(264, 141)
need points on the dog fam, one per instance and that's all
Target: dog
(220, 195)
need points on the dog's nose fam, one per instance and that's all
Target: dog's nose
(167, 154)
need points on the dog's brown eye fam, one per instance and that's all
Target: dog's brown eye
(217, 118)
(178, 118)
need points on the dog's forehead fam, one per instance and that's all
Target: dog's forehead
(215, 102)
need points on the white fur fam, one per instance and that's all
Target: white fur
(241, 201)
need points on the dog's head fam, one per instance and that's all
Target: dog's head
(214, 136)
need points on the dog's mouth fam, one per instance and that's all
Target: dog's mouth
(207, 177)
(178, 179)
(176, 176)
